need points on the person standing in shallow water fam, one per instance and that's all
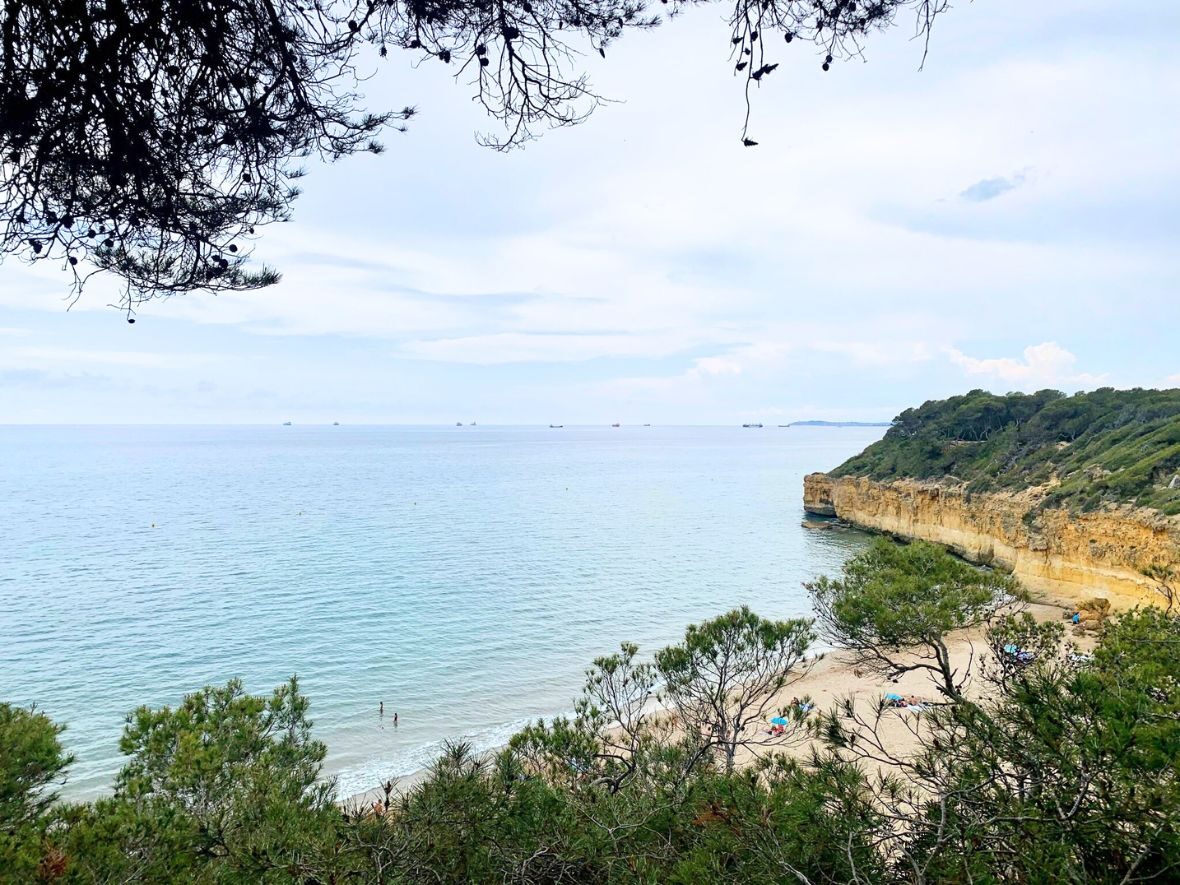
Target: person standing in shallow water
(381, 708)
(395, 719)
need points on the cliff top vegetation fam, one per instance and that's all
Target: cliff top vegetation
(1087, 450)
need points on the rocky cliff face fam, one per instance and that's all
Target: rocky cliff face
(1061, 554)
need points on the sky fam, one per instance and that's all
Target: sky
(1005, 218)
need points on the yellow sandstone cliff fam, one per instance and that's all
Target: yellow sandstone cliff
(1057, 553)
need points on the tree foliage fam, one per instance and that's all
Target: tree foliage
(612, 738)
(1066, 771)
(1087, 450)
(1069, 775)
(1165, 580)
(149, 139)
(718, 689)
(723, 678)
(31, 762)
(225, 785)
(896, 604)
(485, 821)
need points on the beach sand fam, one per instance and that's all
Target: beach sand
(830, 680)
(834, 679)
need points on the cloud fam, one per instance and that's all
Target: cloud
(647, 257)
(878, 353)
(990, 188)
(524, 347)
(1043, 365)
(685, 387)
(56, 356)
(40, 379)
(789, 352)
(716, 365)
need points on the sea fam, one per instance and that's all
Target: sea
(464, 577)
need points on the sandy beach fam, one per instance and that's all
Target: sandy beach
(831, 679)
(834, 679)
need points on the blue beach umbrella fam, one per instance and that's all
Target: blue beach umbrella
(778, 720)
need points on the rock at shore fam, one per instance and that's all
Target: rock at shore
(1054, 551)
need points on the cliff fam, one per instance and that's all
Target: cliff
(1053, 551)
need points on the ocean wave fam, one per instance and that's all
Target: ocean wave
(353, 780)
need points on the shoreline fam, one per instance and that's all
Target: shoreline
(830, 678)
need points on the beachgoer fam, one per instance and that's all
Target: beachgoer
(381, 708)
(395, 717)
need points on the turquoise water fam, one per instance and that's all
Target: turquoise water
(464, 576)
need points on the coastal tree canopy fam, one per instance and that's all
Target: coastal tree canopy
(1064, 764)
(225, 779)
(719, 686)
(31, 762)
(1065, 772)
(895, 605)
(722, 679)
(150, 139)
(1066, 768)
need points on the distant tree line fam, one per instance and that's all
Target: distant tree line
(1103, 447)
(1063, 770)
(150, 139)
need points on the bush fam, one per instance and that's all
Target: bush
(1067, 773)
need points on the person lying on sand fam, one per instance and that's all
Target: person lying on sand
(1019, 655)
(909, 702)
